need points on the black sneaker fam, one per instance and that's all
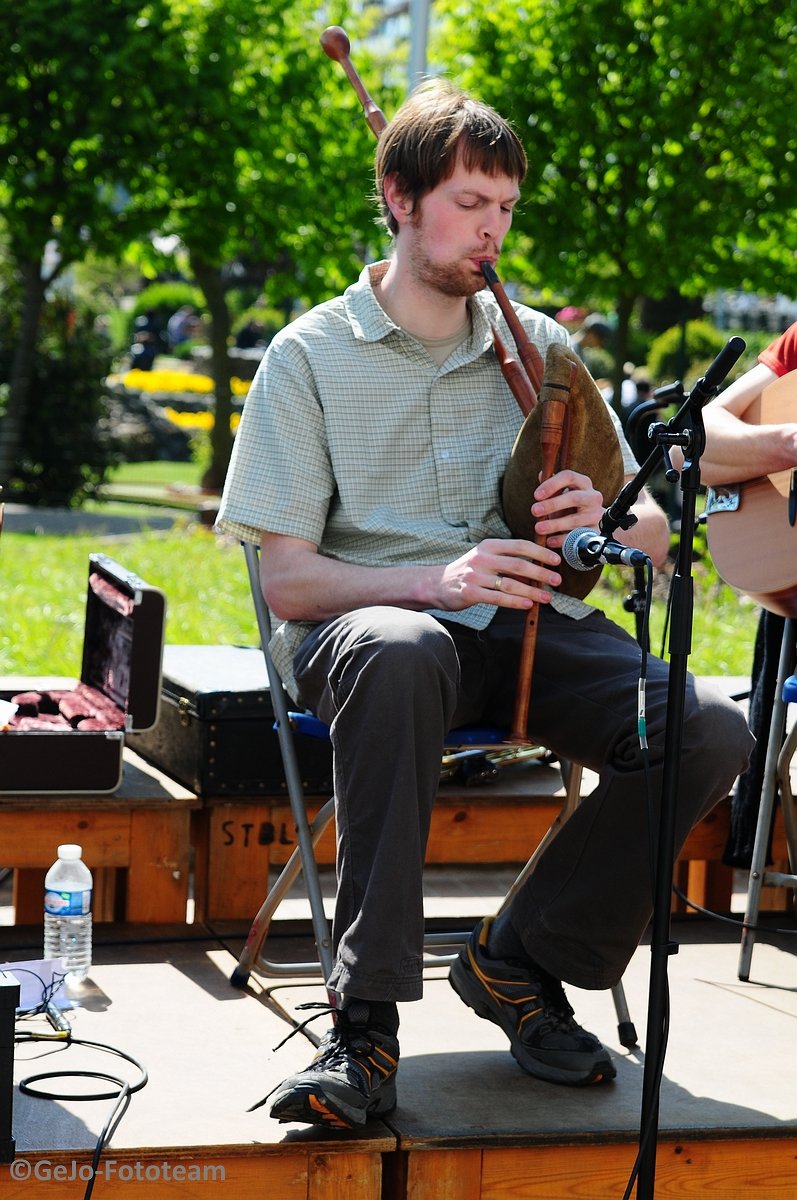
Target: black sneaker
(531, 1008)
(351, 1078)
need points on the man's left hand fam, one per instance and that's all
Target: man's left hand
(566, 501)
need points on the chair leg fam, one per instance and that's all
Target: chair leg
(574, 773)
(787, 795)
(251, 956)
(759, 876)
(626, 1030)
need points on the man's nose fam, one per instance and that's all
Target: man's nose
(493, 225)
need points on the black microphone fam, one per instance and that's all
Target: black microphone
(706, 387)
(584, 549)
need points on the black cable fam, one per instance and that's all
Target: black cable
(740, 924)
(651, 1125)
(658, 1072)
(122, 1095)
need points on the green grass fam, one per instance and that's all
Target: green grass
(724, 623)
(43, 587)
(43, 593)
(162, 473)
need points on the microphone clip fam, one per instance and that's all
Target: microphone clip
(584, 549)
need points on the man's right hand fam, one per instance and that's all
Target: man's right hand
(508, 572)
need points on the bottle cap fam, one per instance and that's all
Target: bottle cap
(70, 852)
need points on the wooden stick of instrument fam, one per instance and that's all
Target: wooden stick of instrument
(529, 354)
(515, 376)
(554, 413)
(337, 46)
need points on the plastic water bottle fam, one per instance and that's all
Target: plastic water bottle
(67, 912)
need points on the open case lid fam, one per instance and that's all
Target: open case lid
(123, 641)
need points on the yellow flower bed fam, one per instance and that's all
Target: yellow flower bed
(198, 420)
(174, 381)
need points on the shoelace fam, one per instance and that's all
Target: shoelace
(558, 1011)
(324, 1010)
(555, 998)
(335, 1052)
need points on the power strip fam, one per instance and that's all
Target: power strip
(9, 1001)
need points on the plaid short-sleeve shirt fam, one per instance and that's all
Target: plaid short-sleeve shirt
(354, 439)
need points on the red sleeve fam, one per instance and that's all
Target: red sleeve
(781, 355)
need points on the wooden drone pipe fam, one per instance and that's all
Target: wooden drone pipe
(336, 45)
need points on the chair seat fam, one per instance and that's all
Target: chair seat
(465, 735)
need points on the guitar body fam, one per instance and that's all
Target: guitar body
(751, 527)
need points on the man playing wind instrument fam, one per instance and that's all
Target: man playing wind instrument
(368, 463)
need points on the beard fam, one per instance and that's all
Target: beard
(453, 278)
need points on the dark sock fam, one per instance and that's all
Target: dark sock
(381, 1015)
(502, 941)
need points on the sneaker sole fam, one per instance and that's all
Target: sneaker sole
(314, 1106)
(471, 992)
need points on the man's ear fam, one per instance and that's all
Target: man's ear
(397, 200)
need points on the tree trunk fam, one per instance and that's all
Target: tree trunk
(625, 308)
(21, 372)
(213, 289)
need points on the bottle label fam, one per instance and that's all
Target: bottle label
(67, 904)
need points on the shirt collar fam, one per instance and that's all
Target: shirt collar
(370, 322)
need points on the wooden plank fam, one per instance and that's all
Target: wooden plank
(495, 828)
(28, 895)
(444, 1175)
(715, 886)
(280, 830)
(239, 844)
(723, 1169)
(142, 1175)
(776, 899)
(157, 877)
(31, 838)
(284, 1173)
(200, 841)
(501, 827)
(708, 838)
(500, 832)
(471, 832)
(338, 1176)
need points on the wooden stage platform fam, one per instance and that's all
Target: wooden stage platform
(470, 1124)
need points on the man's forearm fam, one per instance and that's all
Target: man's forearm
(314, 587)
(736, 451)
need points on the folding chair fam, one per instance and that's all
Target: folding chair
(302, 860)
(777, 777)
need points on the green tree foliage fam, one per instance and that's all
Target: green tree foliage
(66, 445)
(79, 95)
(267, 168)
(660, 140)
(678, 351)
(220, 121)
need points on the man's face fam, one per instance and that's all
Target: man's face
(455, 227)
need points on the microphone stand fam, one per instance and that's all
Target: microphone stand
(685, 429)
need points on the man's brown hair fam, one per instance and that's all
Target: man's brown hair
(435, 128)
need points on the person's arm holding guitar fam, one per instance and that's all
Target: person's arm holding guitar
(750, 465)
(746, 439)
(737, 450)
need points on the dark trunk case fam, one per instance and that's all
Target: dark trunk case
(216, 730)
